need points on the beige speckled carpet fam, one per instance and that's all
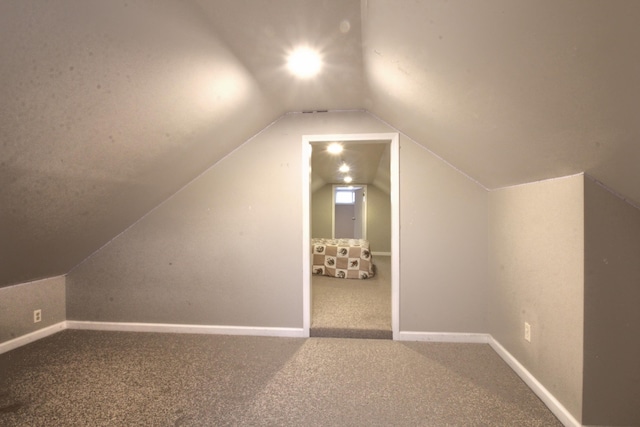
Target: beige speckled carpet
(350, 308)
(90, 378)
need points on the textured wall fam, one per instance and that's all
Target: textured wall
(612, 317)
(321, 211)
(378, 219)
(225, 250)
(205, 255)
(536, 265)
(18, 302)
(443, 245)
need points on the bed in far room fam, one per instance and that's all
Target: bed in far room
(342, 258)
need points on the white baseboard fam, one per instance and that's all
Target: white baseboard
(186, 329)
(150, 327)
(442, 337)
(31, 337)
(547, 398)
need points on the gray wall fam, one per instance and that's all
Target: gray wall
(378, 219)
(18, 302)
(378, 216)
(226, 250)
(536, 266)
(443, 245)
(612, 316)
(321, 211)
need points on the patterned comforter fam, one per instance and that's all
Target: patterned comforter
(344, 258)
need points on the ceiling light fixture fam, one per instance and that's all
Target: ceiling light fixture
(304, 62)
(344, 168)
(335, 148)
(348, 179)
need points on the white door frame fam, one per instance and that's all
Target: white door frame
(394, 140)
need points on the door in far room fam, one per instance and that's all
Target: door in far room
(349, 212)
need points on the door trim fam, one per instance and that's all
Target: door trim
(394, 140)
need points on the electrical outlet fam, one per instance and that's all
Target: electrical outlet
(527, 332)
(37, 316)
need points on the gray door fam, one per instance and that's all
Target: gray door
(344, 215)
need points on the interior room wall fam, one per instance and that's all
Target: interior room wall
(378, 219)
(536, 266)
(443, 245)
(205, 256)
(18, 302)
(225, 250)
(321, 211)
(611, 314)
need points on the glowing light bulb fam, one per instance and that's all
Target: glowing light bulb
(304, 62)
(334, 148)
(348, 179)
(344, 168)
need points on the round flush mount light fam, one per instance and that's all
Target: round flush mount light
(304, 62)
(334, 148)
(344, 168)
(348, 179)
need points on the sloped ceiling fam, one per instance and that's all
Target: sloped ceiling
(368, 162)
(512, 91)
(262, 33)
(108, 107)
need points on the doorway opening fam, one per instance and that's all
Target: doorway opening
(351, 140)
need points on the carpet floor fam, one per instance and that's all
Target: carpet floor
(92, 378)
(351, 308)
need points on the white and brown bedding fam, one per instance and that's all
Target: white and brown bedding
(344, 258)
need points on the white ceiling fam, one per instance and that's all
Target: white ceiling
(107, 107)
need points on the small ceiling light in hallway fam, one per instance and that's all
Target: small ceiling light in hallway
(304, 62)
(335, 148)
